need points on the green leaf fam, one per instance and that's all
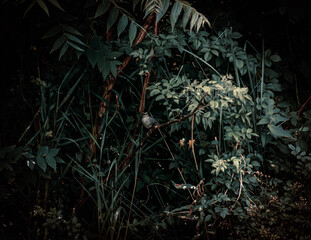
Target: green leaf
(112, 17)
(75, 46)
(43, 151)
(63, 50)
(74, 38)
(103, 6)
(175, 12)
(53, 152)
(92, 56)
(161, 11)
(194, 19)
(70, 29)
(122, 24)
(278, 131)
(264, 120)
(154, 92)
(51, 162)
(186, 17)
(275, 58)
(43, 6)
(56, 4)
(41, 162)
(239, 63)
(132, 32)
(58, 43)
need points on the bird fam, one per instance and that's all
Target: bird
(148, 121)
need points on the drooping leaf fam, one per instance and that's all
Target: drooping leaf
(112, 17)
(56, 4)
(199, 23)
(103, 6)
(51, 162)
(43, 6)
(132, 32)
(186, 17)
(194, 19)
(278, 131)
(58, 43)
(162, 10)
(122, 24)
(41, 162)
(176, 10)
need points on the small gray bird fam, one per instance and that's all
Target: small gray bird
(148, 121)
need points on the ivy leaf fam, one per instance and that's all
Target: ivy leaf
(132, 32)
(41, 163)
(122, 24)
(175, 12)
(278, 131)
(112, 18)
(51, 162)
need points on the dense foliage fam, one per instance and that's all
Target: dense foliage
(230, 158)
